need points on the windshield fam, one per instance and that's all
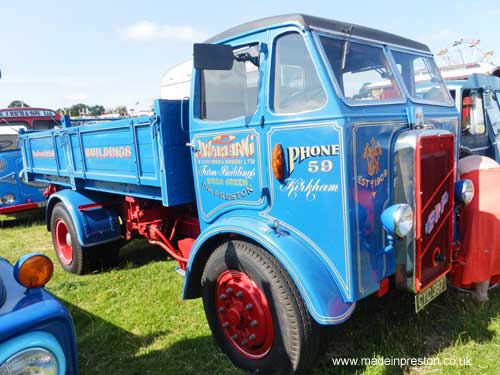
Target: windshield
(44, 124)
(8, 142)
(13, 122)
(362, 71)
(421, 77)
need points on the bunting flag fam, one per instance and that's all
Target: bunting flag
(488, 53)
(458, 42)
(474, 43)
(442, 52)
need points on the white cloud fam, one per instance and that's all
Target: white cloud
(146, 31)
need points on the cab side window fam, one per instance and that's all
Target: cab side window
(472, 114)
(43, 124)
(229, 94)
(297, 87)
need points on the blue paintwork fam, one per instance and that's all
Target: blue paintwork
(477, 81)
(93, 226)
(128, 157)
(34, 318)
(11, 166)
(306, 267)
(330, 237)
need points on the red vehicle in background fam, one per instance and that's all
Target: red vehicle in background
(32, 118)
(17, 195)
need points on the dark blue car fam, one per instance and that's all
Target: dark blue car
(36, 331)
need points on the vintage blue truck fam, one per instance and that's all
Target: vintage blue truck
(478, 101)
(36, 331)
(313, 164)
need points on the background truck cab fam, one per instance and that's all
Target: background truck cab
(17, 195)
(320, 162)
(478, 101)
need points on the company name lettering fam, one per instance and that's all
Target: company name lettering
(27, 113)
(309, 188)
(436, 213)
(241, 149)
(298, 154)
(44, 154)
(228, 196)
(120, 152)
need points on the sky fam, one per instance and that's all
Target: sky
(57, 53)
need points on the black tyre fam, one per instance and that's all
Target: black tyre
(255, 312)
(71, 256)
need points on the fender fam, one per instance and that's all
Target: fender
(317, 286)
(94, 225)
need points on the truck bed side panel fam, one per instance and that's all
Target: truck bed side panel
(144, 157)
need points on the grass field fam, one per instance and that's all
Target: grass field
(132, 320)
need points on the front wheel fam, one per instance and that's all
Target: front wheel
(255, 312)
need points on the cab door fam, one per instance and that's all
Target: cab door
(225, 133)
(304, 162)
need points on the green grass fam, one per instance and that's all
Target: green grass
(132, 320)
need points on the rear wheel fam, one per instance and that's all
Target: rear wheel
(72, 257)
(255, 312)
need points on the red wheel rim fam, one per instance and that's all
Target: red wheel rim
(63, 242)
(244, 315)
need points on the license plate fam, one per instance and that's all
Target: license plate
(423, 298)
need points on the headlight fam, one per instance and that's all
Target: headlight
(9, 198)
(31, 361)
(464, 192)
(398, 220)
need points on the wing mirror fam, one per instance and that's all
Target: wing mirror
(213, 56)
(218, 57)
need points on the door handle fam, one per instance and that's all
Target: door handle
(192, 146)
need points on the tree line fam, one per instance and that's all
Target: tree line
(80, 109)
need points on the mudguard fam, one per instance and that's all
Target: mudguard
(94, 223)
(314, 281)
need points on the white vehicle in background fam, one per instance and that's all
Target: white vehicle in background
(176, 82)
(463, 71)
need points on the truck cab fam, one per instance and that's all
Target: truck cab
(313, 123)
(18, 196)
(478, 101)
(332, 146)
